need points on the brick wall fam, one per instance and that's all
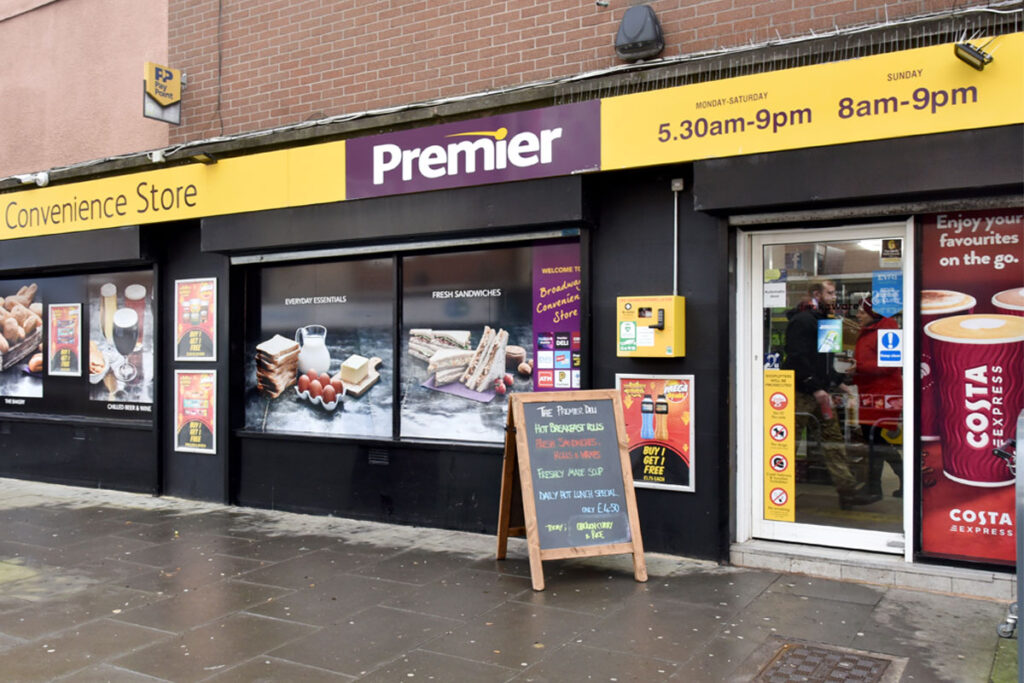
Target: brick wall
(287, 61)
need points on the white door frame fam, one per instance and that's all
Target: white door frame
(749, 440)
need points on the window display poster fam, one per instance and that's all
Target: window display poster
(320, 347)
(972, 380)
(195, 423)
(195, 316)
(21, 337)
(556, 343)
(65, 340)
(466, 336)
(658, 413)
(122, 324)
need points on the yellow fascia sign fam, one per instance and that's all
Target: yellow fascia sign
(914, 92)
(258, 182)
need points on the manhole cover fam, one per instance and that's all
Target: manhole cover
(809, 662)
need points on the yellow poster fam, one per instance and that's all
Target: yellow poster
(779, 446)
(912, 92)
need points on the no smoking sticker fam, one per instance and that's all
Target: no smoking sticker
(779, 496)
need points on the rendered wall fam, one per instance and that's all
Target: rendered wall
(71, 80)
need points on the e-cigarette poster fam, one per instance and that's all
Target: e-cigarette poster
(195, 422)
(971, 308)
(658, 413)
(64, 350)
(195, 315)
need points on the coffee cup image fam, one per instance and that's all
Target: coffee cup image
(978, 366)
(935, 304)
(1010, 301)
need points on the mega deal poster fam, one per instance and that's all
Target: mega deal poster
(195, 315)
(658, 414)
(195, 423)
(971, 309)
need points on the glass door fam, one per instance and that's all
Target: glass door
(828, 419)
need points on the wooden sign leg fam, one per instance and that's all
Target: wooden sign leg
(508, 469)
(505, 507)
(536, 566)
(639, 567)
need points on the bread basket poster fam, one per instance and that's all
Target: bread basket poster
(195, 423)
(21, 342)
(195, 316)
(658, 413)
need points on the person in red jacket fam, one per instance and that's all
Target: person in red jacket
(881, 398)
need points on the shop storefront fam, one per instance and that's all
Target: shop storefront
(336, 328)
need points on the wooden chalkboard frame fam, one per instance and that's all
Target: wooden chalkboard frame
(517, 485)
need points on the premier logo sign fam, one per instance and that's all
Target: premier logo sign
(490, 150)
(534, 144)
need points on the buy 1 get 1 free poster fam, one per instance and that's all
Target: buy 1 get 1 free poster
(658, 414)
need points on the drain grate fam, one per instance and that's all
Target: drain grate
(820, 663)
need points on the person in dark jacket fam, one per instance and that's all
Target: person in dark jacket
(881, 397)
(815, 375)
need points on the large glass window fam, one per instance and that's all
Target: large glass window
(79, 345)
(471, 326)
(319, 353)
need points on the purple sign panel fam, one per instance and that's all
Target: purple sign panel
(532, 144)
(556, 317)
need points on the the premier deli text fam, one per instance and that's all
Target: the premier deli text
(148, 198)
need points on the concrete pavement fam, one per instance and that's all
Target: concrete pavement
(108, 586)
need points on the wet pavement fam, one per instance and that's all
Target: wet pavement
(108, 586)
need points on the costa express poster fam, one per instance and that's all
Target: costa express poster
(658, 414)
(972, 381)
(195, 423)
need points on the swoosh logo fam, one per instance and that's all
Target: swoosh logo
(499, 134)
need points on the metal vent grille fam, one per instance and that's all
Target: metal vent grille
(378, 456)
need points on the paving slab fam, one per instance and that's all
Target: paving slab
(106, 586)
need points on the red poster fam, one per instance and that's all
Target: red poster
(195, 314)
(195, 421)
(972, 381)
(65, 340)
(658, 412)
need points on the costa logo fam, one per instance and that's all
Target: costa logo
(491, 150)
(982, 517)
(983, 404)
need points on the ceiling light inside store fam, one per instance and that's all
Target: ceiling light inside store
(870, 245)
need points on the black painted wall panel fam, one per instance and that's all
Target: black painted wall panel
(984, 160)
(424, 215)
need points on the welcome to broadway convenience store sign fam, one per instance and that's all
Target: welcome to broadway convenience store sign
(914, 92)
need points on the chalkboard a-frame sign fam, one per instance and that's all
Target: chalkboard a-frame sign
(567, 461)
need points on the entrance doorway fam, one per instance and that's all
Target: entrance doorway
(822, 354)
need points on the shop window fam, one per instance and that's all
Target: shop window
(332, 323)
(79, 345)
(473, 327)
(478, 325)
